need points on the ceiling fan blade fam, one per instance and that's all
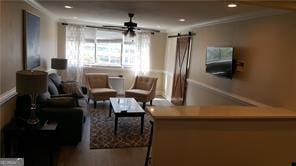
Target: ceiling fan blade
(113, 28)
(147, 29)
(110, 26)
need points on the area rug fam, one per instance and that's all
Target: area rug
(128, 132)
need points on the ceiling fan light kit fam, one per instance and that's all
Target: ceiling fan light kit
(130, 33)
(130, 28)
(232, 5)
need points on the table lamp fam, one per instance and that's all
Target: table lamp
(59, 64)
(31, 83)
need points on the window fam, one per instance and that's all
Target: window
(110, 49)
(129, 55)
(88, 50)
(108, 52)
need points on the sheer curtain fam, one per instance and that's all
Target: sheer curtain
(74, 42)
(141, 48)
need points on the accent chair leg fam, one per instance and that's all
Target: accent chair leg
(88, 100)
(110, 109)
(95, 104)
(150, 102)
(144, 105)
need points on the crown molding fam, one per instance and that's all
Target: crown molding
(229, 19)
(36, 5)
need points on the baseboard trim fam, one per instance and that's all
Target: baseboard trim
(231, 96)
(168, 97)
(159, 93)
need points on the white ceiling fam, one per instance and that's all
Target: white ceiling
(149, 14)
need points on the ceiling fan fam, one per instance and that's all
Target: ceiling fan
(130, 28)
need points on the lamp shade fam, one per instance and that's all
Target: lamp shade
(31, 82)
(59, 63)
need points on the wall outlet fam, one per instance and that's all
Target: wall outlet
(240, 65)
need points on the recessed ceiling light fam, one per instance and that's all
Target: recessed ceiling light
(182, 19)
(158, 26)
(68, 7)
(75, 17)
(231, 5)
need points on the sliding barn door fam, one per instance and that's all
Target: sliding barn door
(181, 70)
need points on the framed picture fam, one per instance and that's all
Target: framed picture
(31, 40)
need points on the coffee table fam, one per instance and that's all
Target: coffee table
(125, 107)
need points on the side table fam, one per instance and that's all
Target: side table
(36, 144)
(117, 83)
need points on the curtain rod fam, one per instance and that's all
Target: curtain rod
(183, 35)
(91, 26)
(96, 27)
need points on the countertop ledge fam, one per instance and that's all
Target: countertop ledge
(220, 112)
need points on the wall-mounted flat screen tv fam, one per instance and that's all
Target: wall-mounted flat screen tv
(220, 62)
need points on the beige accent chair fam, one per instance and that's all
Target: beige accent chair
(98, 87)
(143, 89)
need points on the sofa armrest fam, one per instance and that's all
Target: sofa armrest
(62, 95)
(61, 102)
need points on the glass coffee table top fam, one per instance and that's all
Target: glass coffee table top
(125, 105)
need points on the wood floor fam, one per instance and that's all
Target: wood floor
(81, 155)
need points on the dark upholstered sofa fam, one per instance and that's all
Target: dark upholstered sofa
(58, 107)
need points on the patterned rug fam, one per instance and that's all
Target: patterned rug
(128, 131)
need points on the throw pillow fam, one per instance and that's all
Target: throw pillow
(56, 80)
(52, 89)
(72, 88)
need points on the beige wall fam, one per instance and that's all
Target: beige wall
(7, 111)
(199, 95)
(157, 51)
(12, 49)
(170, 57)
(12, 41)
(266, 44)
(61, 41)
